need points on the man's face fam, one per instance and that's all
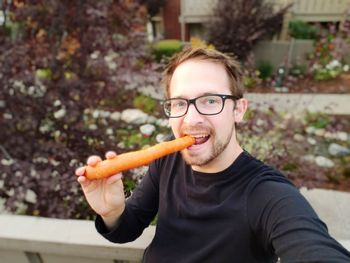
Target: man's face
(215, 134)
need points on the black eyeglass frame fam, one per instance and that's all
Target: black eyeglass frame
(223, 97)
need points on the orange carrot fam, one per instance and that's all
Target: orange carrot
(136, 159)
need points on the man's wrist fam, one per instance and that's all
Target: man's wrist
(112, 221)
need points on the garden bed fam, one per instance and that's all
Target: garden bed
(339, 85)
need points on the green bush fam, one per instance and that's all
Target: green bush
(298, 70)
(145, 103)
(317, 120)
(302, 30)
(265, 69)
(166, 48)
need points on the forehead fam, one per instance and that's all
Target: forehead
(196, 77)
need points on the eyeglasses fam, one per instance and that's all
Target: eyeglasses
(206, 105)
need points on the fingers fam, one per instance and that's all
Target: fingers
(110, 155)
(114, 178)
(93, 160)
(80, 171)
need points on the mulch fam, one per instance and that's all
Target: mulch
(340, 85)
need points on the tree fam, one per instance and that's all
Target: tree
(237, 25)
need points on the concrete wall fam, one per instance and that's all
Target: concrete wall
(26, 239)
(279, 52)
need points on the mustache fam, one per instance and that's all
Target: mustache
(198, 128)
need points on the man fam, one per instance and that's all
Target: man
(214, 201)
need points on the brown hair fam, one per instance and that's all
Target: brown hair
(232, 67)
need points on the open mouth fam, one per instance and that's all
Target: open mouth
(201, 138)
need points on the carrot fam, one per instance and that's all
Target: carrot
(136, 159)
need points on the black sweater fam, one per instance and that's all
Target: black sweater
(246, 213)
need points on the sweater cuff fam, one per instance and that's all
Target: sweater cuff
(102, 228)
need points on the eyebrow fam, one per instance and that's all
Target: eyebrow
(204, 94)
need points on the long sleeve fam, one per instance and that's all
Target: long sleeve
(139, 211)
(286, 223)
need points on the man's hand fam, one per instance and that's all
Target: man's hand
(105, 196)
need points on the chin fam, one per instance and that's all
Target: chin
(195, 160)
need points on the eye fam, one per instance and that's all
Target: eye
(211, 100)
(178, 104)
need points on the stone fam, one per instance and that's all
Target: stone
(162, 137)
(134, 116)
(151, 119)
(298, 137)
(115, 116)
(311, 141)
(320, 132)
(31, 196)
(147, 129)
(338, 150)
(343, 136)
(163, 122)
(324, 162)
(310, 130)
(309, 158)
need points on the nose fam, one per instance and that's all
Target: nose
(193, 116)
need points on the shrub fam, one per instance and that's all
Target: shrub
(166, 48)
(302, 30)
(331, 48)
(265, 69)
(239, 24)
(145, 103)
(63, 58)
(196, 42)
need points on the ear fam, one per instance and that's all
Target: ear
(241, 108)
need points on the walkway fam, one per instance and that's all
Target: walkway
(294, 102)
(290, 102)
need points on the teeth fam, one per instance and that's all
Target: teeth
(200, 135)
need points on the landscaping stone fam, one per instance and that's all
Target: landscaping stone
(338, 150)
(115, 116)
(343, 136)
(311, 141)
(324, 162)
(147, 129)
(162, 137)
(134, 116)
(298, 137)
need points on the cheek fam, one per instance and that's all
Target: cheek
(175, 126)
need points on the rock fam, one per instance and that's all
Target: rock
(338, 150)
(151, 119)
(309, 158)
(60, 113)
(320, 132)
(30, 196)
(163, 122)
(343, 136)
(162, 137)
(121, 145)
(328, 135)
(115, 116)
(310, 130)
(92, 127)
(109, 131)
(134, 116)
(312, 141)
(298, 137)
(324, 162)
(147, 129)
